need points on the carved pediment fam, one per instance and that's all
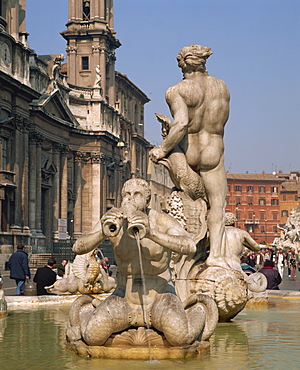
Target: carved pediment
(55, 107)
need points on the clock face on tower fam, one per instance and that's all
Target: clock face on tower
(5, 54)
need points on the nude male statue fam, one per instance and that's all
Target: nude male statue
(156, 305)
(235, 240)
(199, 105)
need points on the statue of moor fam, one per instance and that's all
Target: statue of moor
(193, 148)
(141, 299)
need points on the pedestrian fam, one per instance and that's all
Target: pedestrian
(19, 269)
(247, 269)
(293, 261)
(280, 261)
(45, 276)
(259, 260)
(273, 276)
(61, 268)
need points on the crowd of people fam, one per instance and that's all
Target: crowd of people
(272, 264)
(18, 264)
(269, 262)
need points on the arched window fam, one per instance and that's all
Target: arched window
(86, 7)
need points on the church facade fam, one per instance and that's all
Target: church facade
(71, 131)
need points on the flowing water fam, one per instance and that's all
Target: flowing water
(144, 306)
(265, 337)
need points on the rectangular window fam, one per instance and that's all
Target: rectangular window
(296, 198)
(262, 202)
(250, 215)
(85, 63)
(274, 202)
(274, 189)
(250, 189)
(262, 216)
(4, 154)
(284, 213)
(238, 188)
(250, 201)
(275, 216)
(284, 197)
(237, 201)
(238, 215)
(261, 189)
(275, 230)
(262, 229)
(250, 228)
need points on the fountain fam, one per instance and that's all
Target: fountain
(171, 312)
(178, 273)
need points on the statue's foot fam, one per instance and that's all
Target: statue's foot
(217, 262)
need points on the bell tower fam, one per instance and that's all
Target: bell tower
(91, 45)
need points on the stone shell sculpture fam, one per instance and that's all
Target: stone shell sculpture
(226, 286)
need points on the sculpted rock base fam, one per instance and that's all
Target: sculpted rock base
(140, 343)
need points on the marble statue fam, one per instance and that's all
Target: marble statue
(3, 303)
(145, 297)
(193, 148)
(85, 275)
(291, 232)
(235, 240)
(98, 77)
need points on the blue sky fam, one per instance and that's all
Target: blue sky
(256, 46)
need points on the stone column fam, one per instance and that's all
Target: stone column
(32, 182)
(78, 192)
(71, 10)
(111, 15)
(14, 19)
(18, 165)
(22, 15)
(25, 175)
(38, 225)
(102, 10)
(64, 184)
(96, 186)
(72, 66)
(133, 158)
(111, 91)
(56, 189)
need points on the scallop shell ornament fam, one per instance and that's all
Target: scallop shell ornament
(226, 286)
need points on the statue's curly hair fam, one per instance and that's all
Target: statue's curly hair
(141, 182)
(230, 219)
(198, 51)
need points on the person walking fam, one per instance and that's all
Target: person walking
(19, 269)
(280, 261)
(273, 276)
(45, 276)
(293, 261)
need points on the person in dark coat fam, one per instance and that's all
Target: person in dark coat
(19, 269)
(61, 268)
(273, 276)
(45, 276)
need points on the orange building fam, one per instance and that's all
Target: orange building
(289, 194)
(255, 200)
